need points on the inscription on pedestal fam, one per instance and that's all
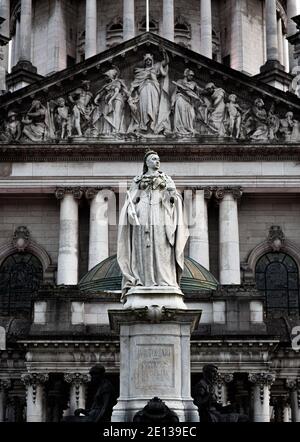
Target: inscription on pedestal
(155, 366)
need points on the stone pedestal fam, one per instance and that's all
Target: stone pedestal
(154, 359)
(140, 297)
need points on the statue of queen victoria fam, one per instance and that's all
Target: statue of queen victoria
(152, 232)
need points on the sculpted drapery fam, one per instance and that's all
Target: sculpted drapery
(152, 253)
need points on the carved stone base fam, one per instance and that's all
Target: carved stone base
(154, 361)
(161, 296)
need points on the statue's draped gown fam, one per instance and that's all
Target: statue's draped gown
(152, 253)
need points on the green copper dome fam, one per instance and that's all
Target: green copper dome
(106, 276)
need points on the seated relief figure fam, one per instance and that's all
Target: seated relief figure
(12, 129)
(290, 128)
(110, 101)
(36, 124)
(261, 125)
(149, 97)
(103, 402)
(152, 231)
(184, 101)
(210, 410)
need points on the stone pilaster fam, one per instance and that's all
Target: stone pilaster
(98, 239)
(67, 268)
(199, 243)
(168, 19)
(221, 385)
(77, 383)
(229, 247)
(128, 19)
(294, 389)
(26, 30)
(206, 28)
(261, 395)
(4, 386)
(90, 28)
(35, 396)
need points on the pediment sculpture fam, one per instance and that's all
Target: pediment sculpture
(149, 104)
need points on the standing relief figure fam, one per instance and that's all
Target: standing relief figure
(216, 109)
(82, 101)
(149, 97)
(184, 100)
(235, 113)
(110, 101)
(62, 119)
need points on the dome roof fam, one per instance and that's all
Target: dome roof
(107, 276)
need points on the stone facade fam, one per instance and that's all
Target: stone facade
(61, 193)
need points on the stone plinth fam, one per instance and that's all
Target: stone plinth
(162, 296)
(154, 360)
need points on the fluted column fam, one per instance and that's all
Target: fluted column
(168, 19)
(199, 243)
(26, 30)
(128, 19)
(229, 247)
(67, 266)
(206, 28)
(98, 239)
(90, 28)
(293, 9)
(261, 395)
(221, 386)
(77, 383)
(4, 385)
(271, 30)
(35, 396)
(294, 389)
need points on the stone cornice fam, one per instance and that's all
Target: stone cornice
(172, 152)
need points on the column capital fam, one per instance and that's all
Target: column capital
(91, 192)
(262, 379)
(34, 380)
(208, 191)
(220, 192)
(223, 378)
(77, 378)
(293, 384)
(60, 192)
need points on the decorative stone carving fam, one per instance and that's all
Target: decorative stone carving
(77, 192)
(36, 124)
(262, 380)
(276, 238)
(83, 108)
(62, 119)
(184, 101)
(294, 385)
(77, 379)
(33, 380)
(156, 412)
(21, 238)
(12, 130)
(289, 128)
(220, 380)
(234, 116)
(260, 124)
(216, 109)
(149, 97)
(220, 192)
(110, 101)
(5, 384)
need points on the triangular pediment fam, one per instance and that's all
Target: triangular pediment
(115, 96)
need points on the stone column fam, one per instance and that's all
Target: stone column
(293, 9)
(280, 41)
(286, 60)
(271, 30)
(35, 396)
(4, 13)
(77, 383)
(128, 19)
(90, 28)
(261, 395)
(199, 244)
(206, 28)
(26, 30)
(221, 385)
(4, 386)
(168, 19)
(229, 247)
(294, 389)
(67, 266)
(57, 38)
(98, 239)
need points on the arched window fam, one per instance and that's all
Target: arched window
(277, 276)
(20, 276)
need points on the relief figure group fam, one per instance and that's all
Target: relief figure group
(151, 106)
